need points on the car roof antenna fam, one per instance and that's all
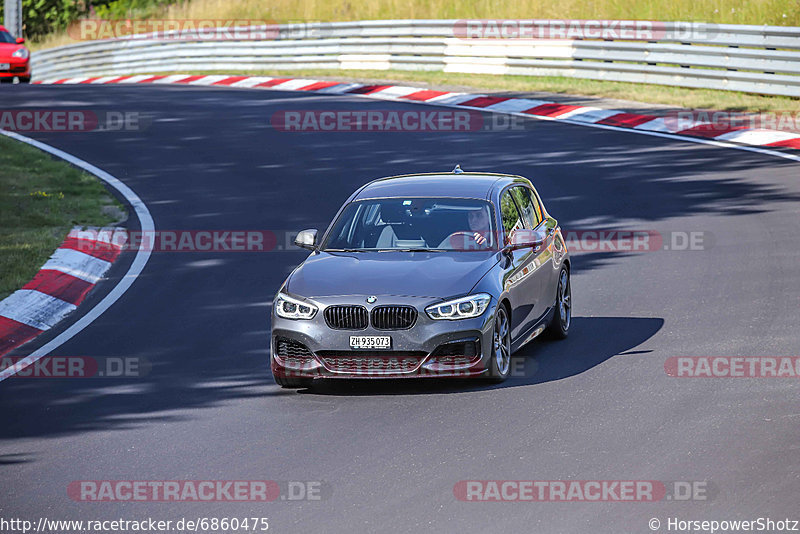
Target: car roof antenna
(457, 170)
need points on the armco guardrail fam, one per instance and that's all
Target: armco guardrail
(756, 59)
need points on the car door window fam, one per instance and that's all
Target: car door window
(510, 215)
(527, 206)
(537, 203)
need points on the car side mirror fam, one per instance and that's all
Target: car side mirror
(523, 238)
(307, 239)
(20, 40)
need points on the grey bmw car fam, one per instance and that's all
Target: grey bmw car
(423, 275)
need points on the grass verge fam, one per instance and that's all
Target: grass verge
(657, 95)
(41, 199)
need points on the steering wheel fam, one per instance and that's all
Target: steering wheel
(463, 240)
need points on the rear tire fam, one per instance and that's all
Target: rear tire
(562, 312)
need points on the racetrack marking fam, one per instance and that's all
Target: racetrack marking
(34, 308)
(76, 80)
(338, 89)
(251, 81)
(609, 119)
(675, 137)
(396, 91)
(134, 79)
(588, 115)
(293, 85)
(757, 137)
(137, 265)
(450, 99)
(104, 79)
(597, 114)
(78, 264)
(516, 104)
(172, 79)
(208, 80)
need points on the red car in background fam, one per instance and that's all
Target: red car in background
(15, 59)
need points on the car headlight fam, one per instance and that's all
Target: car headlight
(21, 53)
(291, 308)
(463, 308)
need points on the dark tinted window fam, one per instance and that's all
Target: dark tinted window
(6, 37)
(527, 205)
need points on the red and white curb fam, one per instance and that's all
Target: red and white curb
(146, 223)
(62, 283)
(734, 136)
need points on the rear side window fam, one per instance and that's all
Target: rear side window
(510, 214)
(537, 203)
(527, 205)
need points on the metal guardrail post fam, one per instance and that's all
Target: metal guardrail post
(13, 17)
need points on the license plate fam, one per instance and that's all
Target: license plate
(370, 342)
(5, 66)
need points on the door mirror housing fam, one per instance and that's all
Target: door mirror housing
(307, 239)
(20, 40)
(523, 238)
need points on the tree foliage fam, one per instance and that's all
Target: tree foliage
(40, 17)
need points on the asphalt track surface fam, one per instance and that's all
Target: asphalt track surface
(598, 406)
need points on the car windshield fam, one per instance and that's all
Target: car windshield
(6, 37)
(413, 224)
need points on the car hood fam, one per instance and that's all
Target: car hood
(418, 274)
(6, 49)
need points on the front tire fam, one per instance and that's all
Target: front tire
(288, 382)
(292, 383)
(562, 314)
(500, 363)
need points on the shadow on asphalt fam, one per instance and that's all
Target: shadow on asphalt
(14, 458)
(210, 160)
(592, 341)
(170, 388)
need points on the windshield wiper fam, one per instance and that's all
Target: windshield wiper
(417, 249)
(346, 250)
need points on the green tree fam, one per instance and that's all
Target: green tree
(40, 17)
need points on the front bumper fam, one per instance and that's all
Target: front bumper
(432, 349)
(20, 68)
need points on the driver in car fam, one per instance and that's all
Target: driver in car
(479, 225)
